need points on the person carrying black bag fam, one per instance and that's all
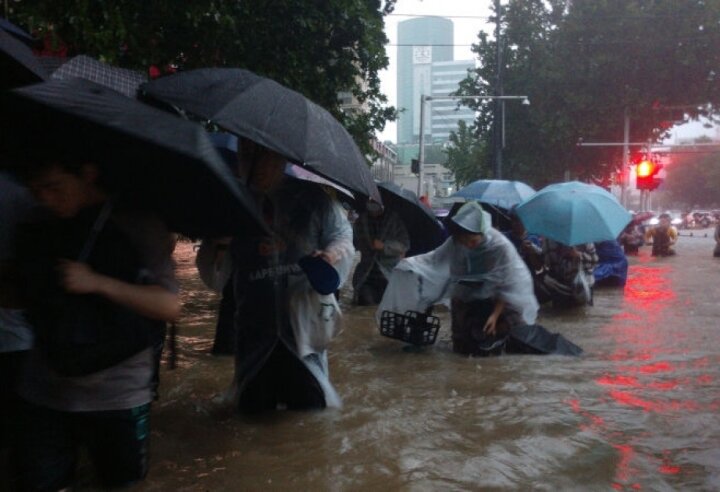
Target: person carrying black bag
(98, 285)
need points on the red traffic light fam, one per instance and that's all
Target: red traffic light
(645, 169)
(645, 174)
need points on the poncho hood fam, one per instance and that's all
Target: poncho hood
(472, 217)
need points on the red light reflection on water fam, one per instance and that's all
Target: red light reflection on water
(638, 378)
(647, 294)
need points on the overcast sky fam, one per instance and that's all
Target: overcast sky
(469, 17)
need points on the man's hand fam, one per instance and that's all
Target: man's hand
(378, 245)
(329, 256)
(490, 325)
(151, 301)
(79, 278)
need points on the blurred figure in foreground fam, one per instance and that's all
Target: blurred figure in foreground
(97, 281)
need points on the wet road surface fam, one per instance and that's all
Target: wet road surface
(640, 410)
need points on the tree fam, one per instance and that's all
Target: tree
(584, 64)
(693, 179)
(315, 47)
(466, 156)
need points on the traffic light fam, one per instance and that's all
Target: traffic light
(646, 172)
(414, 166)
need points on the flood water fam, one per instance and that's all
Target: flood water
(640, 410)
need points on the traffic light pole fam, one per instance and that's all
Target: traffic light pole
(421, 153)
(626, 159)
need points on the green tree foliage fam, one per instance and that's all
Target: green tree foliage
(316, 47)
(583, 63)
(693, 179)
(466, 156)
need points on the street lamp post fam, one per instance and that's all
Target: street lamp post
(424, 99)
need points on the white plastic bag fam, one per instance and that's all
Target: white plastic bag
(315, 319)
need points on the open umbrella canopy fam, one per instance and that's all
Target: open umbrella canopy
(123, 80)
(271, 115)
(227, 146)
(423, 227)
(574, 213)
(18, 64)
(19, 33)
(497, 192)
(147, 156)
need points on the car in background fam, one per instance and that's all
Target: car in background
(676, 219)
(702, 219)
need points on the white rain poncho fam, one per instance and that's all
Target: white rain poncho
(493, 270)
(275, 302)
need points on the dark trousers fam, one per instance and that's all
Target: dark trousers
(468, 321)
(370, 293)
(49, 440)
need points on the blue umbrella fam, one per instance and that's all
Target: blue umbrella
(574, 213)
(498, 192)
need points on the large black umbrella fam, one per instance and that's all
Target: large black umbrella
(272, 115)
(122, 80)
(18, 64)
(17, 32)
(422, 225)
(149, 157)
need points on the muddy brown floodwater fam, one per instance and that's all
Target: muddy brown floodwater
(638, 411)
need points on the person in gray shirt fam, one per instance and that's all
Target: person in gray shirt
(97, 281)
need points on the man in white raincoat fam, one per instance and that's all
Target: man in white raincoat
(479, 270)
(283, 325)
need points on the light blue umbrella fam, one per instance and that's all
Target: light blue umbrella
(574, 213)
(498, 192)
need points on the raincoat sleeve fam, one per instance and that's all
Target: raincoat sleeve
(336, 237)
(419, 282)
(316, 318)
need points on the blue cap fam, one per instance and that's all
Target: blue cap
(322, 275)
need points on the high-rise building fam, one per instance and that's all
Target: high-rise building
(426, 67)
(445, 113)
(421, 42)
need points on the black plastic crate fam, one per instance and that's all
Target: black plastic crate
(412, 327)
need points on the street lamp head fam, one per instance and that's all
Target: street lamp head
(526, 102)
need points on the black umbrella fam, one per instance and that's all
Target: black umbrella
(19, 33)
(18, 65)
(122, 80)
(422, 225)
(272, 115)
(147, 156)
